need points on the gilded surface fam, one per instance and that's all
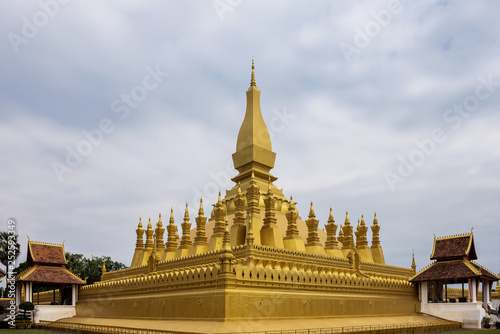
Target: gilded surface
(254, 257)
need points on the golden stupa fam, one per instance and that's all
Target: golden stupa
(253, 259)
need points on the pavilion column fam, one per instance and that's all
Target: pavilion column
(473, 290)
(73, 294)
(489, 290)
(423, 292)
(29, 292)
(19, 288)
(486, 290)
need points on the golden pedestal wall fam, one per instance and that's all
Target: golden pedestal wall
(262, 283)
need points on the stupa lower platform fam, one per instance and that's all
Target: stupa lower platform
(348, 324)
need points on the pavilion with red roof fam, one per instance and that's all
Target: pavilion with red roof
(47, 266)
(453, 264)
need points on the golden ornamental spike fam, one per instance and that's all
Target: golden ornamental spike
(252, 80)
(186, 213)
(200, 211)
(171, 220)
(311, 211)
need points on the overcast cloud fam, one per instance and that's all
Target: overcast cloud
(379, 106)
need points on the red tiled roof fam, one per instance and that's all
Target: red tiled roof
(50, 275)
(452, 270)
(43, 253)
(484, 272)
(456, 247)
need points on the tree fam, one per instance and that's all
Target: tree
(93, 268)
(20, 268)
(9, 248)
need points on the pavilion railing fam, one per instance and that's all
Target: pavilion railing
(410, 328)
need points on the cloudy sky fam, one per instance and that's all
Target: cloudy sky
(113, 110)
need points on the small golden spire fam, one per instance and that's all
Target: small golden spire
(311, 211)
(159, 221)
(149, 224)
(186, 213)
(347, 221)
(252, 81)
(219, 197)
(200, 211)
(239, 189)
(413, 265)
(171, 220)
(138, 226)
(103, 265)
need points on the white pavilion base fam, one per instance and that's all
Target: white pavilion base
(53, 312)
(470, 314)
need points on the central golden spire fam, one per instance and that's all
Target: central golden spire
(253, 147)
